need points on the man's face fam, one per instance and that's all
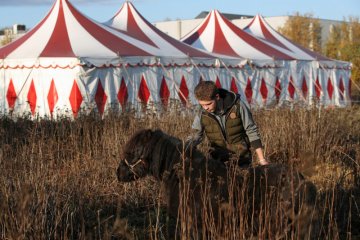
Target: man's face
(208, 106)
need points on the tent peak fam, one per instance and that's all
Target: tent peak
(129, 21)
(230, 16)
(219, 35)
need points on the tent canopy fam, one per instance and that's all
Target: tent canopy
(66, 35)
(65, 32)
(218, 35)
(128, 20)
(260, 28)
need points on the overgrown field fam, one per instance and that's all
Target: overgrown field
(58, 179)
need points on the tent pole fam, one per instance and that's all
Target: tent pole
(22, 87)
(201, 74)
(231, 73)
(297, 89)
(317, 75)
(81, 80)
(123, 64)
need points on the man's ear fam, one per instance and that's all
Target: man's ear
(217, 96)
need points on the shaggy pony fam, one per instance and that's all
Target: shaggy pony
(199, 188)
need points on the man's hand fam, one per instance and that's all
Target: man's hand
(263, 162)
(260, 156)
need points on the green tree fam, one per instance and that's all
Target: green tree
(344, 44)
(304, 30)
(8, 37)
(332, 44)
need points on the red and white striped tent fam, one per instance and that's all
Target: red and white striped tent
(275, 84)
(131, 22)
(69, 63)
(260, 28)
(217, 34)
(330, 79)
(177, 83)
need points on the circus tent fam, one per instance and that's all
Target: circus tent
(131, 22)
(331, 78)
(299, 75)
(217, 34)
(260, 28)
(69, 63)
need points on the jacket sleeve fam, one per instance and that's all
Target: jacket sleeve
(249, 125)
(197, 132)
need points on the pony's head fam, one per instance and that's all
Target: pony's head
(135, 163)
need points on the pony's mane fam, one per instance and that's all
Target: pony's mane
(164, 151)
(161, 151)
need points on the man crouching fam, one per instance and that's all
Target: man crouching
(228, 124)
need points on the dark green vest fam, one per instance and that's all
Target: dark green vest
(234, 138)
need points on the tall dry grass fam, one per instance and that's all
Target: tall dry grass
(58, 178)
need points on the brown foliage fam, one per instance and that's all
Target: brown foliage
(58, 178)
(202, 186)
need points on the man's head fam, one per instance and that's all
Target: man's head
(207, 93)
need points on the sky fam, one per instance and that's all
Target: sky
(31, 12)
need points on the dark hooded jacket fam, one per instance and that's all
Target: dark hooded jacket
(230, 127)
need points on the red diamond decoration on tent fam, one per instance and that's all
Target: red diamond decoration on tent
(317, 87)
(291, 88)
(100, 98)
(164, 92)
(122, 94)
(184, 91)
(52, 96)
(234, 88)
(248, 91)
(330, 88)
(32, 97)
(75, 99)
(263, 89)
(304, 88)
(11, 95)
(277, 89)
(144, 93)
(217, 83)
(341, 88)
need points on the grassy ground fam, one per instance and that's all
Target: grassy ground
(58, 178)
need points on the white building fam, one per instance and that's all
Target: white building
(12, 33)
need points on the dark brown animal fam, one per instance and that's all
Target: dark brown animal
(210, 188)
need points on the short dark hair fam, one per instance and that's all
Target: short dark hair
(206, 91)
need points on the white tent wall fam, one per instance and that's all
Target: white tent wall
(331, 79)
(342, 98)
(105, 97)
(282, 71)
(255, 74)
(153, 75)
(35, 82)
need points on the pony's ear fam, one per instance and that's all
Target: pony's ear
(148, 133)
